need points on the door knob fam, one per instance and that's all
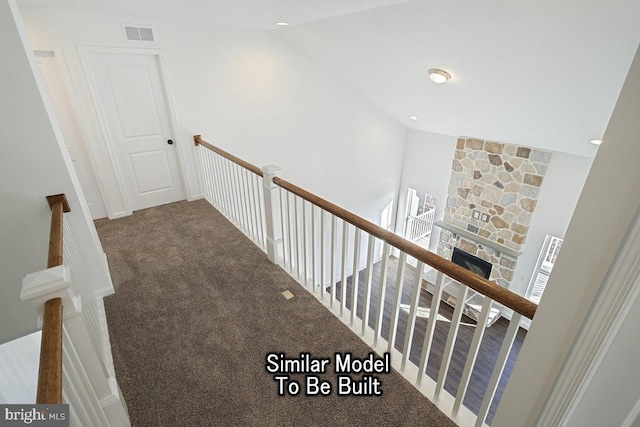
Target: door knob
(170, 141)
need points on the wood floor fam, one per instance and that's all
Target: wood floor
(489, 347)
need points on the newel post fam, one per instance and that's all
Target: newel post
(271, 211)
(49, 292)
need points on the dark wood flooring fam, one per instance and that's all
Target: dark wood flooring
(489, 348)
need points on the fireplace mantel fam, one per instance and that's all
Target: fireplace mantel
(478, 239)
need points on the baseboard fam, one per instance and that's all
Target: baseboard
(194, 197)
(507, 313)
(120, 214)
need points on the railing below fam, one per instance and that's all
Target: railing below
(75, 353)
(234, 187)
(326, 249)
(462, 275)
(420, 226)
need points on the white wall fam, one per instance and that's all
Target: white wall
(558, 197)
(19, 360)
(34, 164)
(575, 287)
(62, 95)
(254, 96)
(427, 167)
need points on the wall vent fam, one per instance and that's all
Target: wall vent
(133, 33)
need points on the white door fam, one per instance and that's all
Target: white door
(58, 89)
(131, 99)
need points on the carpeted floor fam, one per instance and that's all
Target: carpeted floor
(196, 310)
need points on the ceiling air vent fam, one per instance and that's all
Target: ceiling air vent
(134, 33)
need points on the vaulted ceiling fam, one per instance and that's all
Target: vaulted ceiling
(545, 73)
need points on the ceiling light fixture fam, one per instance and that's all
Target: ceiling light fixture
(414, 118)
(438, 76)
(596, 141)
(282, 24)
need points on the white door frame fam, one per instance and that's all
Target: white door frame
(85, 51)
(619, 291)
(67, 82)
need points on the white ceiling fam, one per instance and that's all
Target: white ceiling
(543, 73)
(540, 73)
(256, 14)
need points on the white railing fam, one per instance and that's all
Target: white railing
(88, 377)
(93, 312)
(344, 260)
(420, 226)
(235, 190)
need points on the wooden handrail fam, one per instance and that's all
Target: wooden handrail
(461, 274)
(50, 368)
(253, 168)
(58, 205)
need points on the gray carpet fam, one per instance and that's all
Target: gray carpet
(197, 308)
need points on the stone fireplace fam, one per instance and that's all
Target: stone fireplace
(493, 192)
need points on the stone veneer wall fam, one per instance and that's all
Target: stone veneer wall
(502, 181)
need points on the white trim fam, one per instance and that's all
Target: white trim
(619, 291)
(633, 415)
(55, 282)
(78, 113)
(507, 313)
(84, 52)
(189, 191)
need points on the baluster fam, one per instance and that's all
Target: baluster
(382, 290)
(322, 256)
(261, 214)
(286, 261)
(207, 174)
(236, 198)
(304, 243)
(296, 236)
(247, 204)
(343, 281)
(222, 179)
(402, 264)
(217, 181)
(451, 340)
(481, 326)
(254, 207)
(411, 321)
(355, 275)
(333, 260)
(230, 190)
(240, 197)
(368, 281)
(501, 361)
(313, 248)
(231, 186)
(210, 175)
(289, 234)
(238, 175)
(431, 327)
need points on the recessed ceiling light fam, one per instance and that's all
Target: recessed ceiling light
(414, 118)
(282, 24)
(596, 141)
(438, 76)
